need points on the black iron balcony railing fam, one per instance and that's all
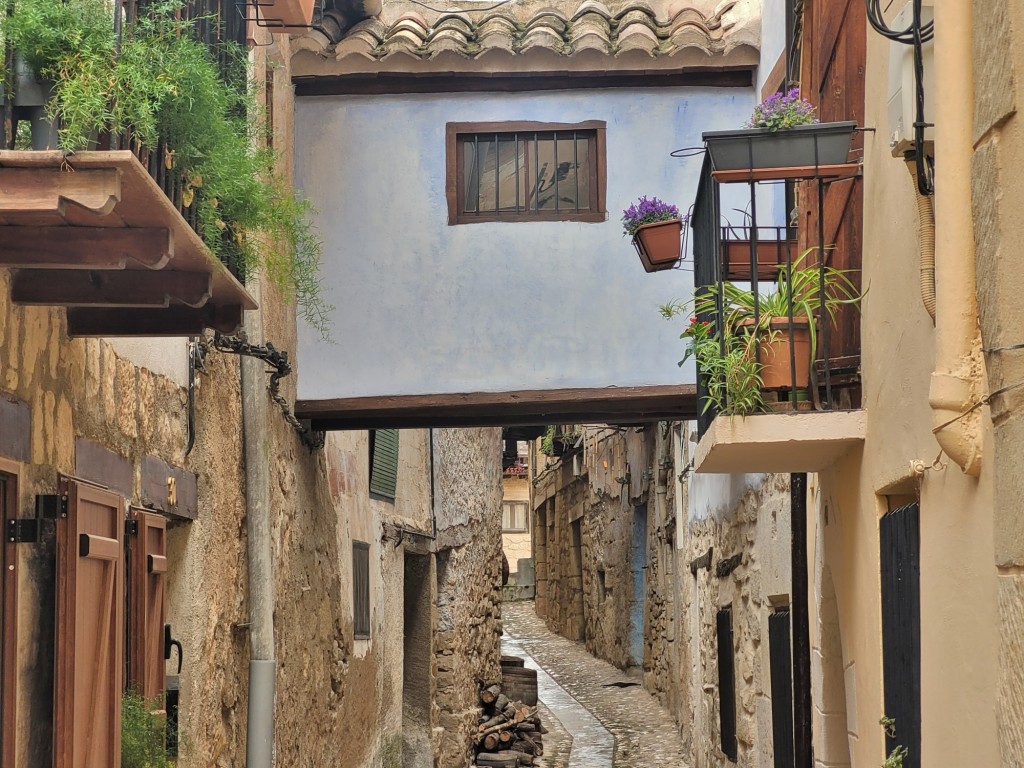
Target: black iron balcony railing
(767, 312)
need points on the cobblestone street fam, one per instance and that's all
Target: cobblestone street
(594, 719)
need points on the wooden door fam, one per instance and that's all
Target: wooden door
(780, 657)
(834, 45)
(89, 649)
(147, 599)
(9, 615)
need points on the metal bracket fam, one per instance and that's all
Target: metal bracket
(131, 527)
(728, 565)
(23, 530)
(704, 561)
(51, 506)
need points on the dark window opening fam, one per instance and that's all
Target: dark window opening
(361, 589)
(525, 172)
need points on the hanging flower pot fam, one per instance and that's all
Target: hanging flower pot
(656, 229)
(659, 244)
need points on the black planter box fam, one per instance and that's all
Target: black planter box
(804, 145)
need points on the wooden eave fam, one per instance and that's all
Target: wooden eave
(93, 232)
(608, 405)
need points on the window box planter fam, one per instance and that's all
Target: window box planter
(659, 244)
(805, 145)
(285, 16)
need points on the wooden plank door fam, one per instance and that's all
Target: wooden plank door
(9, 616)
(832, 78)
(89, 649)
(147, 600)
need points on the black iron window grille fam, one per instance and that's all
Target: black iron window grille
(525, 172)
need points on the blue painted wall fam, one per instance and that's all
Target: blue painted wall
(424, 307)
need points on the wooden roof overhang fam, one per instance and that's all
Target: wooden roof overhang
(93, 232)
(520, 408)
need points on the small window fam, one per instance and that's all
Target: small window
(361, 589)
(513, 517)
(526, 172)
(383, 463)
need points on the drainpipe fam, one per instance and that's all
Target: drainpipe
(259, 745)
(926, 243)
(957, 379)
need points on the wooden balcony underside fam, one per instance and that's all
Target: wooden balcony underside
(94, 233)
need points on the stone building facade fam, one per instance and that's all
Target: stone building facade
(113, 417)
(638, 564)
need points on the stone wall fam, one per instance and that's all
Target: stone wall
(468, 491)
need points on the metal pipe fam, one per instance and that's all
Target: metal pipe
(259, 745)
(799, 616)
(957, 382)
(926, 243)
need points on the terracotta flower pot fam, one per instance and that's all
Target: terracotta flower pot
(659, 244)
(288, 15)
(774, 352)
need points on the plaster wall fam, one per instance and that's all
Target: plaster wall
(517, 545)
(959, 646)
(418, 289)
(773, 38)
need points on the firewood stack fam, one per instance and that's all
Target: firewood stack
(510, 732)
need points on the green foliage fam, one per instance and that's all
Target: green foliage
(547, 442)
(167, 86)
(142, 734)
(895, 758)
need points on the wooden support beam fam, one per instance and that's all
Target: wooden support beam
(610, 405)
(828, 172)
(173, 321)
(48, 190)
(84, 247)
(126, 288)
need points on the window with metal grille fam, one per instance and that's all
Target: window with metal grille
(726, 684)
(383, 463)
(361, 589)
(526, 171)
(513, 517)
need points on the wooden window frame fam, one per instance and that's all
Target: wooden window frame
(361, 621)
(11, 473)
(454, 171)
(526, 516)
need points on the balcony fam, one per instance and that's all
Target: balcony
(111, 233)
(776, 319)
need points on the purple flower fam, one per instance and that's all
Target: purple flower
(780, 111)
(647, 211)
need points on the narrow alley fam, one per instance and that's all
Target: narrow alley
(599, 724)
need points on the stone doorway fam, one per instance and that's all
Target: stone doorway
(416, 690)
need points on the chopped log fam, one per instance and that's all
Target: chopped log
(496, 720)
(496, 728)
(510, 712)
(489, 694)
(497, 759)
(501, 702)
(505, 737)
(490, 742)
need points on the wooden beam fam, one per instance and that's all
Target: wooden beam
(845, 171)
(403, 82)
(84, 247)
(616, 405)
(48, 190)
(125, 288)
(173, 321)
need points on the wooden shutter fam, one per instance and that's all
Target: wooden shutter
(384, 462)
(901, 628)
(89, 650)
(9, 616)
(780, 654)
(361, 589)
(147, 596)
(832, 77)
(726, 684)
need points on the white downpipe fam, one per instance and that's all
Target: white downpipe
(956, 382)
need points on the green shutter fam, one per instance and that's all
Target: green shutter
(384, 462)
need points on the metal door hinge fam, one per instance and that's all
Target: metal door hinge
(131, 527)
(51, 506)
(22, 530)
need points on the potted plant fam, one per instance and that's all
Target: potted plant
(159, 86)
(656, 228)
(750, 348)
(783, 132)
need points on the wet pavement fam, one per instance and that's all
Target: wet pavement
(609, 727)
